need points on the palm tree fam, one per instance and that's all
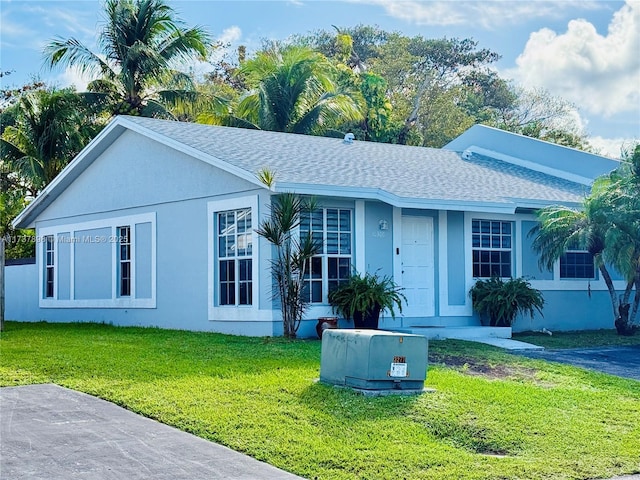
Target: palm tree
(294, 90)
(141, 43)
(561, 228)
(608, 227)
(51, 127)
(623, 212)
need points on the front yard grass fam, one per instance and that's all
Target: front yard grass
(585, 339)
(493, 415)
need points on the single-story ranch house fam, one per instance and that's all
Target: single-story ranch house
(153, 224)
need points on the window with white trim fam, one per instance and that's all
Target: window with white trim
(577, 264)
(491, 243)
(49, 267)
(124, 260)
(235, 257)
(333, 229)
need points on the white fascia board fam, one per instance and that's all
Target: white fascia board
(114, 129)
(572, 177)
(195, 153)
(538, 204)
(395, 200)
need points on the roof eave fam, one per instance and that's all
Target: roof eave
(506, 207)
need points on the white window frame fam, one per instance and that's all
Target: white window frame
(236, 258)
(49, 265)
(556, 284)
(235, 313)
(129, 260)
(325, 256)
(491, 248)
(116, 301)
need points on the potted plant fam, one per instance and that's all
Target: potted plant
(501, 301)
(363, 297)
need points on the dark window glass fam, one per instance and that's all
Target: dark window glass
(491, 246)
(49, 272)
(578, 265)
(332, 229)
(235, 241)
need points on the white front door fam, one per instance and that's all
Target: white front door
(417, 257)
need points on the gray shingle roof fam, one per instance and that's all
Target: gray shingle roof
(402, 171)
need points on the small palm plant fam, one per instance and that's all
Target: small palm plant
(292, 254)
(501, 301)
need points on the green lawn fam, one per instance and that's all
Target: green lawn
(593, 338)
(493, 415)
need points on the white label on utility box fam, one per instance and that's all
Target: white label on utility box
(398, 370)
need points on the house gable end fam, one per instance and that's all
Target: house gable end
(562, 162)
(137, 171)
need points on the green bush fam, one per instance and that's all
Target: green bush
(365, 294)
(501, 301)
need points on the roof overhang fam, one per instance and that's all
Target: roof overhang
(506, 207)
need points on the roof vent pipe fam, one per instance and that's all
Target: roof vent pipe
(348, 138)
(466, 154)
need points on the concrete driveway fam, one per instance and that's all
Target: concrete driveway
(50, 432)
(620, 361)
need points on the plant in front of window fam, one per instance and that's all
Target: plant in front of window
(292, 255)
(500, 301)
(363, 297)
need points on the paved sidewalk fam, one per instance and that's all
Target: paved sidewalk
(49, 432)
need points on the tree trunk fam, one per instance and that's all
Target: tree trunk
(413, 116)
(636, 299)
(627, 292)
(611, 288)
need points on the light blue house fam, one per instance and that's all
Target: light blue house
(153, 224)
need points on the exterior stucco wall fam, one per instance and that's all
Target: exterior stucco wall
(456, 259)
(21, 292)
(378, 242)
(137, 176)
(137, 171)
(571, 310)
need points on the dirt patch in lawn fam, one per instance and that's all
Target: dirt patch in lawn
(477, 367)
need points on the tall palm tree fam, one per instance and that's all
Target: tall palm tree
(51, 127)
(141, 44)
(623, 212)
(606, 228)
(294, 90)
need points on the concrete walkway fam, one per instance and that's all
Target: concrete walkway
(507, 343)
(50, 432)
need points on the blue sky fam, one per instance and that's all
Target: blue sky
(586, 51)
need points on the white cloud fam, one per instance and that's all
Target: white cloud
(230, 35)
(487, 14)
(72, 76)
(611, 147)
(601, 73)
